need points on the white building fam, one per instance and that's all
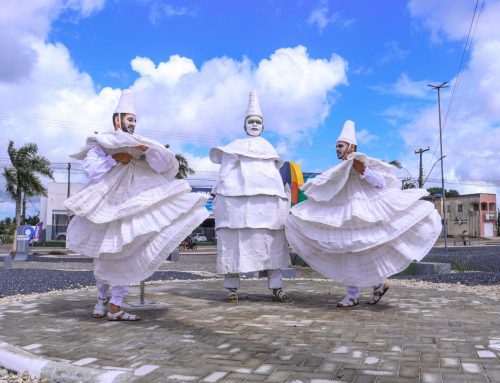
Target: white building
(53, 214)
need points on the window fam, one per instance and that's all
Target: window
(448, 209)
(492, 206)
(59, 224)
(460, 208)
(484, 206)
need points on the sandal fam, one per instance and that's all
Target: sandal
(378, 293)
(280, 296)
(100, 308)
(347, 302)
(122, 316)
(232, 297)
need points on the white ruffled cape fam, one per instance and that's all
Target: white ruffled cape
(250, 207)
(358, 234)
(131, 219)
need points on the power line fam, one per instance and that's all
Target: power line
(465, 52)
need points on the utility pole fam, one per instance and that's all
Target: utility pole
(421, 169)
(69, 177)
(438, 88)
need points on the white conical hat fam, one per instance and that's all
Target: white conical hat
(126, 103)
(348, 133)
(253, 105)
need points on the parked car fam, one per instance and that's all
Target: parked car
(197, 237)
(61, 237)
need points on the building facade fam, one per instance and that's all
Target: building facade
(475, 214)
(53, 213)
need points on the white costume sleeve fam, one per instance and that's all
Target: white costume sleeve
(97, 163)
(373, 178)
(158, 161)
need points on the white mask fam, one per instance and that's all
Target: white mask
(254, 126)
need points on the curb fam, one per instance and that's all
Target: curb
(19, 360)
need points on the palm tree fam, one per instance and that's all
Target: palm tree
(184, 169)
(406, 183)
(22, 178)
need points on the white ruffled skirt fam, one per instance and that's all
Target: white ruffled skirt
(131, 220)
(250, 233)
(248, 250)
(364, 234)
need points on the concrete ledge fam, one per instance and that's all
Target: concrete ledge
(427, 268)
(287, 272)
(19, 360)
(297, 260)
(174, 256)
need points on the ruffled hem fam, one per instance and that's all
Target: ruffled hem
(123, 236)
(123, 193)
(356, 235)
(249, 250)
(142, 264)
(327, 185)
(379, 206)
(368, 267)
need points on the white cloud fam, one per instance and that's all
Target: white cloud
(393, 52)
(160, 11)
(47, 100)
(364, 137)
(296, 93)
(57, 106)
(471, 133)
(22, 22)
(404, 86)
(322, 16)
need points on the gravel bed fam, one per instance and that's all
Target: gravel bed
(481, 258)
(28, 281)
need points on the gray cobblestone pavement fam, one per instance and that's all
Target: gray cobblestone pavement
(415, 334)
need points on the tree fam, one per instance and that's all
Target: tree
(32, 220)
(498, 222)
(184, 169)
(407, 183)
(447, 193)
(396, 163)
(22, 177)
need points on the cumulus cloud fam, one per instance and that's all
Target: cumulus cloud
(471, 126)
(23, 22)
(177, 102)
(46, 99)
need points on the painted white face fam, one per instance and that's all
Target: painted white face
(254, 126)
(342, 147)
(128, 122)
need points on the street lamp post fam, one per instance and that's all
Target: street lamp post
(438, 88)
(430, 171)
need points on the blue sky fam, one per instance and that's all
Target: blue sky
(313, 63)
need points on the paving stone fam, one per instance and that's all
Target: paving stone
(413, 334)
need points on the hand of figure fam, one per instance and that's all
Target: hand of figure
(123, 157)
(358, 166)
(142, 148)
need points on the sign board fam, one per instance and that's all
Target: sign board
(24, 236)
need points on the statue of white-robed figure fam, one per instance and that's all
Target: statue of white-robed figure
(357, 227)
(133, 213)
(250, 208)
